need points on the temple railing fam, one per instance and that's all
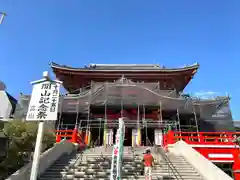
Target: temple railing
(72, 135)
(206, 138)
(214, 146)
(99, 123)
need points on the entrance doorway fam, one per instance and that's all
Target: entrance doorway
(147, 136)
(97, 132)
(97, 136)
(128, 137)
(114, 135)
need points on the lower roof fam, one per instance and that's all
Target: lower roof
(115, 94)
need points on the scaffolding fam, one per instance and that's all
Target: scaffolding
(187, 113)
(124, 94)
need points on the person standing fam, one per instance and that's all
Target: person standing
(148, 164)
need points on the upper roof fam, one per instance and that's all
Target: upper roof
(125, 67)
(168, 78)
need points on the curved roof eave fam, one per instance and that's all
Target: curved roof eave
(211, 101)
(194, 101)
(68, 68)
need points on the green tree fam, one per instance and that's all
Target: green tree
(22, 137)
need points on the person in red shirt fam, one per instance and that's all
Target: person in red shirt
(148, 164)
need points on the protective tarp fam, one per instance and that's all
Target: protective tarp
(220, 120)
(132, 94)
(127, 93)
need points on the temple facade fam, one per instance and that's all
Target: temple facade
(148, 97)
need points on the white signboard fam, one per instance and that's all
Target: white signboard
(43, 105)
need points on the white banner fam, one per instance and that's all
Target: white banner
(158, 137)
(43, 105)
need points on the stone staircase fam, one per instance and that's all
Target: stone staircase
(96, 164)
(181, 168)
(60, 167)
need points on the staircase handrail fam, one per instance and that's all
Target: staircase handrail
(169, 164)
(71, 165)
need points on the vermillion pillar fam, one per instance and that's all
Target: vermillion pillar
(87, 137)
(236, 165)
(58, 137)
(74, 136)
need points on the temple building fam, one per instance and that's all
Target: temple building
(7, 104)
(150, 98)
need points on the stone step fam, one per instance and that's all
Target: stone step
(179, 171)
(94, 165)
(108, 177)
(124, 178)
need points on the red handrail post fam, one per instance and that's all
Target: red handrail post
(86, 137)
(170, 137)
(58, 137)
(74, 135)
(236, 164)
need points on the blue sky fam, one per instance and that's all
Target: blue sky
(171, 33)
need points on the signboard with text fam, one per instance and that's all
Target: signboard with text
(43, 105)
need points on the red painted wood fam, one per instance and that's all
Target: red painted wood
(73, 136)
(218, 140)
(214, 142)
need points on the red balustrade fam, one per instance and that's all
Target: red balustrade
(215, 146)
(72, 135)
(211, 138)
(206, 143)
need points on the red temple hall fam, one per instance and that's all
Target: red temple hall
(151, 100)
(149, 97)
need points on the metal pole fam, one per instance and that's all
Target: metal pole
(146, 131)
(138, 116)
(37, 151)
(160, 114)
(60, 113)
(138, 126)
(105, 128)
(122, 97)
(144, 124)
(77, 115)
(195, 117)
(143, 118)
(88, 115)
(178, 119)
(2, 15)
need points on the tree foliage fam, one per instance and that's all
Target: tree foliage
(22, 137)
